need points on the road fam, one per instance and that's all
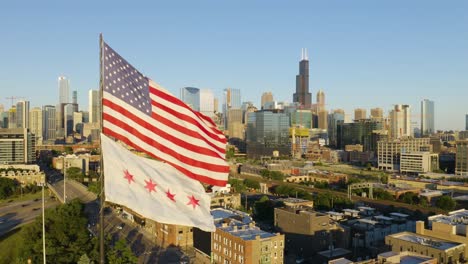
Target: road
(16, 214)
(73, 190)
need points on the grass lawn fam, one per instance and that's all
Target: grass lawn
(10, 245)
(26, 197)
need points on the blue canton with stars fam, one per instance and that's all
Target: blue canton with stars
(125, 82)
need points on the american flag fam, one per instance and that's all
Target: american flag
(145, 116)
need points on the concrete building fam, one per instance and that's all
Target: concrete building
(427, 117)
(376, 114)
(308, 231)
(400, 118)
(418, 162)
(452, 227)
(461, 158)
(17, 146)
(207, 106)
(22, 114)
(12, 117)
(359, 114)
(235, 126)
(176, 235)
(389, 151)
(24, 177)
(302, 94)
(320, 101)
(94, 106)
(78, 122)
(64, 90)
(237, 240)
(445, 251)
(267, 132)
(36, 123)
(226, 200)
(322, 119)
(266, 97)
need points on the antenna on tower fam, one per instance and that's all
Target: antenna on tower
(302, 53)
(306, 57)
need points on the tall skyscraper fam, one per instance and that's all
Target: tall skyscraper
(12, 117)
(359, 114)
(22, 114)
(266, 97)
(94, 106)
(36, 123)
(64, 90)
(17, 146)
(466, 122)
(68, 111)
(376, 114)
(232, 100)
(191, 96)
(323, 119)
(401, 121)
(206, 102)
(320, 101)
(334, 119)
(427, 117)
(302, 94)
(50, 124)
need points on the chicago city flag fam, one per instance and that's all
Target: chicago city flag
(153, 188)
(145, 116)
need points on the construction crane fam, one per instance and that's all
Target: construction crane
(13, 98)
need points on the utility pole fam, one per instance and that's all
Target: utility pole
(43, 224)
(64, 182)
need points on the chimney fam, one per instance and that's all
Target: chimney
(420, 227)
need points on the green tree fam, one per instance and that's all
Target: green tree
(409, 198)
(252, 184)
(276, 175)
(384, 178)
(69, 150)
(237, 185)
(121, 254)
(446, 203)
(67, 236)
(382, 194)
(95, 187)
(7, 187)
(84, 259)
(264, 208)
(75, 173)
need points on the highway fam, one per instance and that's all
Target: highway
(16, 214)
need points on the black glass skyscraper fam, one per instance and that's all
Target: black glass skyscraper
(302, 94)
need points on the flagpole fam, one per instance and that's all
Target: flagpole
(101, 209)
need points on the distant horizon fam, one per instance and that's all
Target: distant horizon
(362, 54)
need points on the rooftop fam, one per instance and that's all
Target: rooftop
(459, 217)
(425, 240)
(238, 224)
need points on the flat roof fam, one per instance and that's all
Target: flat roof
(335, 213)
(294, 200)
(335, 252)
(340, 261)
(398, 215)
(366, 208)
(427, 241)
(237, 224)
(459, 217)
(413, 259)
(381, 217)
(368, 221)
(351, 211)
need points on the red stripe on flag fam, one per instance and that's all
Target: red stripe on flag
(190, 174)
(161, 147)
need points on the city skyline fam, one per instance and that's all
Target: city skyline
(403, 60)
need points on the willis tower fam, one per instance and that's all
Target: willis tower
(302, 94)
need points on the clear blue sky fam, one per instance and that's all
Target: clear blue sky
(362, 53)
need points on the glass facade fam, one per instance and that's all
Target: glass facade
(427, 117)
(191, 96)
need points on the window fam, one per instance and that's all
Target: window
(275, 244)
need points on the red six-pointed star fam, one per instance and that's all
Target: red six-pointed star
(170, 195)
(128, 176)
(150, 185)
(192, 201)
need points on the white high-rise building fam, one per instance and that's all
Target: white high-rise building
(36, 123)
(207, 102)
(64, 90)
(427, 117)
(401, 121)
(94, 106)
(22, 114)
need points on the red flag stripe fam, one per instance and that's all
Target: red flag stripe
(136, 131)
(155, 129)
(157, 90)
(172, 105)
(189, 173)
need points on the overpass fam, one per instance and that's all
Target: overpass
(73, 190)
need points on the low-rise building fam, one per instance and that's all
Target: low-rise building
(228, 200)
(296, 202)
(238, 240)
(418, 162)
(445, 251)
(307, 231)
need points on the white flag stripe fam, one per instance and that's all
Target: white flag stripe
(210, 124)
(154, 205)
(164, 156)
(182, 110)
(155, 123)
